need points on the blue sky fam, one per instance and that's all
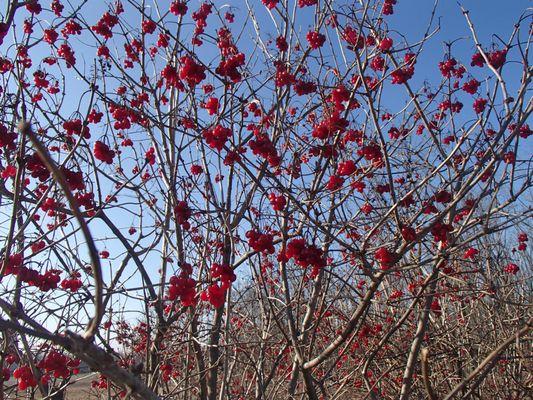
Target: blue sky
(491, 18)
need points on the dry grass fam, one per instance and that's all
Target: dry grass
(79, 390)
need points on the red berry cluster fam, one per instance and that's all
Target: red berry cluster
(149, 156)
(38, 246)
(216, 294)
(479, 105)
(385, 44)
(10, 171)
(260, 242)
(377, 63)
(65, 52)
(14, 261)
(270, 4)
(443, 197)
(105, 25)
(223, 272)
(471, 86)
(305, 255)
(303, 87)
(103, 153)
(5, 374)
(33, 6)
(211, 105)
(435, 306)
(103, 51)
(440, 232)
(283, 77)
(217, 137)
(44, 282)
(71, 28)
(496, 59)
(36, 166)
(281, 43)
(450, 67)
(3, 31)
(166, 372)
(7, 138)
(225, 42)
(178, 8)
(509, 157)
(86, 200)
(524, 131)
(123, 116)
(101, 383)
(522, 241)
(184, 288)
(341, 98)
(385, 257)
(57, 7)
(315, 39)
(148, 26)
(470, 253)
(346, 168)
(6, 65)
(278, 202)
(196, 169)
(367, 208)
(24, 376)
(262, 146)
(511, 268)
(233, 156)
(23, 56)
(200, 16)
(183, 212)
(75, 127)
(190, 71)
(162, 40)
(133, 49)
(408, 233)
(371, 152)
(354, 38)
(229, 67)
(171, 75)
(403, 74)
(332, 124)
(334, 182)
(395, 133)
(39, 79)
(73, 283)
(47, 281)
(58, 365)
(388, 7)
(306, 3)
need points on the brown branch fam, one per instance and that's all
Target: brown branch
(424, 355)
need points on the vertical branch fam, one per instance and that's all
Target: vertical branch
(421, 329)
(424, 356)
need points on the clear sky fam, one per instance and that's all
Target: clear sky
(493, 20)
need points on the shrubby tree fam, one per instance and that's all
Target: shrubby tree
(263, 200)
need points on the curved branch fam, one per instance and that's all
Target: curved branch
(92, 327)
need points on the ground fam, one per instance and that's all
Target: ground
(80, 390)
